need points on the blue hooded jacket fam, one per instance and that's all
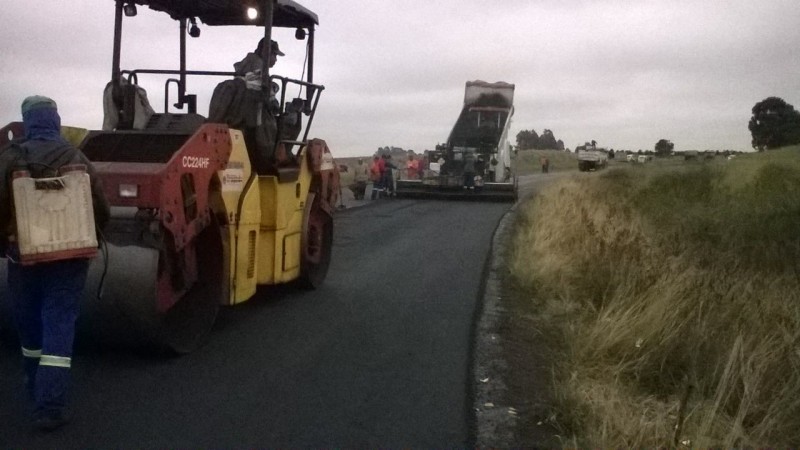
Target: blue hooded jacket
(43, 151)
(42, 124)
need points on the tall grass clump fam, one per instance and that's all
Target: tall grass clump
(677, 297)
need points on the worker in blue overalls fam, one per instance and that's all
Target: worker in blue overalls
(44, 296)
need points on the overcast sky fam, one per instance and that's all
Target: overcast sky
(622, 72)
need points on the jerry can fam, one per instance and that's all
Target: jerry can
(55, 216)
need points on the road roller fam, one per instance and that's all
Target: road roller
(205, 210)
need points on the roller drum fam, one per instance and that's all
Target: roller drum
(119, 308)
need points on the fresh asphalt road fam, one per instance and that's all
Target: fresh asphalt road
(379, 356)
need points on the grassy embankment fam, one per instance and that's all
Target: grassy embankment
(673, 296)
(526, 162)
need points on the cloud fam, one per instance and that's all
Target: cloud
(623, 73)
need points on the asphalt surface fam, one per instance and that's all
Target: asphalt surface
(380, 356)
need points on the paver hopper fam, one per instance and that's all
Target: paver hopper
(479, 139)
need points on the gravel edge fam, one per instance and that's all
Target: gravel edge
(494, 422)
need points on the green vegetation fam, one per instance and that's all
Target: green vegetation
(774, 124)
(671, 296)
(530, 139)
(664, 147)
(527, 162)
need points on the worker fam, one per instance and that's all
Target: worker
(254, 62)
(440, 165)
(480, 166)
(44, 297)
(289, 121)
(412, 167)
(388, 175)
(250, 68)
(469, 171)
(424, 165)
(241, 104)
(329, 174)
(360, 178)
(376, 175)
(492, 169)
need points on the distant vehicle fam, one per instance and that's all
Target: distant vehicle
(591, 158)
(642, 159)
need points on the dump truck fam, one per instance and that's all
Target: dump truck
(591, 158)
(478, 141)
(199, 219)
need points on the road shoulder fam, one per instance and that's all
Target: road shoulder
(511, 372)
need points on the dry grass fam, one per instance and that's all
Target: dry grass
(677, 293)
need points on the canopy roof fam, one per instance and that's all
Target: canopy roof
(288, 13)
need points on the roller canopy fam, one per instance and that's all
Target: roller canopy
(234, 12)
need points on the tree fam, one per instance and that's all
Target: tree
(527, 139)
(774, 124)
(664, 147)
(547, 141)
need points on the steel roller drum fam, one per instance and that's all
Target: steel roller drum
(120, 296)
(118, 309)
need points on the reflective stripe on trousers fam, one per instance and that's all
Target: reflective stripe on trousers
(28, 353)
(55, 361)
(44, 299)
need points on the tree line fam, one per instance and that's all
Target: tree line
(774, 124)
(530, 140)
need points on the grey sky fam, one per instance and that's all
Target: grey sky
(624, 73)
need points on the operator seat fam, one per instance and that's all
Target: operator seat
(125, 108)
(187, 122)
